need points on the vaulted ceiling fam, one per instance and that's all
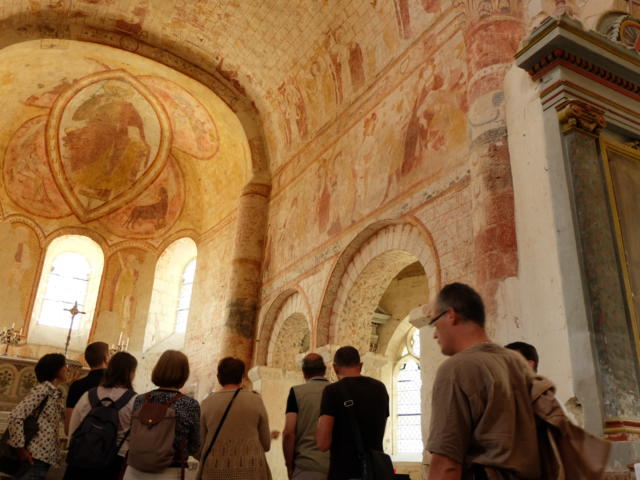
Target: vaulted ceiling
(299, 62)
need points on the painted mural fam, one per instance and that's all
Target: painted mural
(109, 141)
(409, 138)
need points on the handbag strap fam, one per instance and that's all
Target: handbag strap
(355, 428)
(215, 435)
(36, 413)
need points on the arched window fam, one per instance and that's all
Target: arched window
(408, 383)
(171, 296)
(71, 273)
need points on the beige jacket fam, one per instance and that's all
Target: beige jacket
(567, 451)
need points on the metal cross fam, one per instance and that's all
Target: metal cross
(73, 311)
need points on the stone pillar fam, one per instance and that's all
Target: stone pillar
(492, 35)
(244, 285)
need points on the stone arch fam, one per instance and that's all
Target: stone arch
(29, 223)
(75, 24)
(391, 245)
(290, 303)
(79, 231)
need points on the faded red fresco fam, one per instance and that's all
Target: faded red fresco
(194, 131)
(155, 211)
(27, 177)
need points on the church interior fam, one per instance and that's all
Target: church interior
(264, 179)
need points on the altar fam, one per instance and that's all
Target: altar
(17, 377)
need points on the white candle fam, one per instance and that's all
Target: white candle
(126, 345)
(120, 339)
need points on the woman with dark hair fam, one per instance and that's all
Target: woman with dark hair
(169, 375)
(45, 401)
(116, 385)
(239, 449)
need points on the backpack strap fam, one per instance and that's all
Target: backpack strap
(170, 402)
(215, 435)
(94, 400)
(348, 404)
(124, 399)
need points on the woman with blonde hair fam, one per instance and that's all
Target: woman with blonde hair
(150, 457)
(234, 429)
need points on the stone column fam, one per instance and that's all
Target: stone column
(244, 285)
(492, 35)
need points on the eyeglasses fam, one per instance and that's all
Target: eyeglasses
(436, 318)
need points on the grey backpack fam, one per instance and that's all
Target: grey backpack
(153, 432)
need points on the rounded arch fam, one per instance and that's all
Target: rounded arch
(291, 302)
(72, 271)
(75, 24)
(81, 232)
(32, 225)
(167, 302)
(399, 242)
(185, 233)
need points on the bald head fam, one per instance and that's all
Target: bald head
(313, 366)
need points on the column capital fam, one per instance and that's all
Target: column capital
(578, 114)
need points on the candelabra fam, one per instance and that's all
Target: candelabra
(122, 346)
(10, 336)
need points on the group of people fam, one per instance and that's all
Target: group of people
(140, 447)
(489, 414)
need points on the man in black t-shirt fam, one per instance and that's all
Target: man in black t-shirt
(97, 356)
(371, 409)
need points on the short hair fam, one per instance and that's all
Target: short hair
(527, 350)
(120, 370)
(464, 300)
(49, 366)
(347, 357)
(171, 370)
(230, 371)
(313, 365)
(95, 353)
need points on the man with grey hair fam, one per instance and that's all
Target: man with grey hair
(303, 458)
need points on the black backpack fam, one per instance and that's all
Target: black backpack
(94, 443)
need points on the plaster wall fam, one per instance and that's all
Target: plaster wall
(533, 305)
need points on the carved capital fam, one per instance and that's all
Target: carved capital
(635, 144)
(577, 114)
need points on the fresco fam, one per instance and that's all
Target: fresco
(107, 138)
(115, 142)
(19, 257)
(410, 137)
(27, 175)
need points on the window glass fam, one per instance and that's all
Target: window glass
(67, 283)
(184, 297)
(408, 403)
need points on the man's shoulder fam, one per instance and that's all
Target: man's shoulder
(478, 361)
(365, 383)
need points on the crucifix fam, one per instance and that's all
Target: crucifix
(73, 311)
